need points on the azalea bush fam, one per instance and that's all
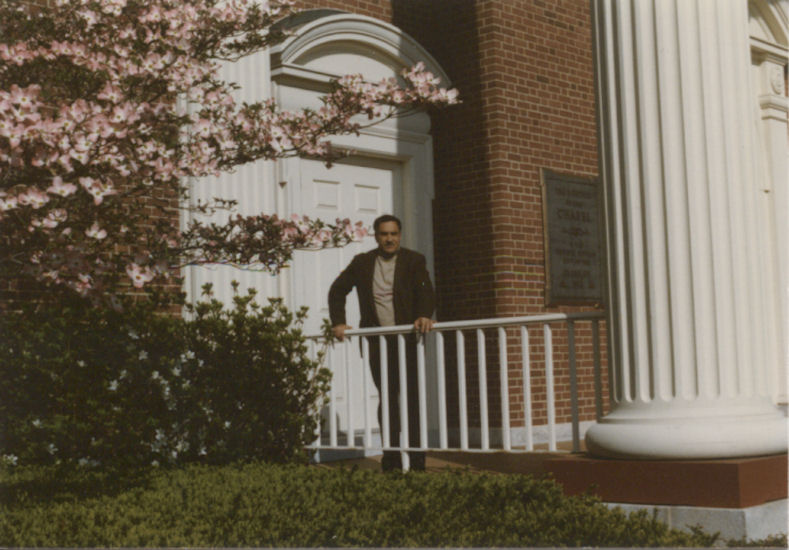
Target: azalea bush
(130, 387)
(109, 107)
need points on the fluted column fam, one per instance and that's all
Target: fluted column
(690, 347)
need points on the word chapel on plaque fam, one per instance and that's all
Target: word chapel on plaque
(572, 226)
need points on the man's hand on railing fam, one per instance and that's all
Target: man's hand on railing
(423, 325)
(339, 331)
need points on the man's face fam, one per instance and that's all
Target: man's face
(388, 237)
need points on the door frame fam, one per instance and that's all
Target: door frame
(299, 75)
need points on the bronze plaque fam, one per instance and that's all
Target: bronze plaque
(572, 224)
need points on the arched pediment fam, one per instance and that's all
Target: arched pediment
(326, 44)
(769, 22)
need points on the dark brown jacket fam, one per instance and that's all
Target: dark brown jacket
(413, 291)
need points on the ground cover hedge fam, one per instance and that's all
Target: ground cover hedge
(258, 504)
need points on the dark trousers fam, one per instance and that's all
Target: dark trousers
(412, 389)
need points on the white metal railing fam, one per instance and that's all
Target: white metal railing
(350, 391)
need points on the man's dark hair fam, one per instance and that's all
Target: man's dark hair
(387, 218)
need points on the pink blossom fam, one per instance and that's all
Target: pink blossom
(8, 203)
(33, 198)
(83, 284)
(95, 232)
(139, 275)
(60, 188)
(290, 232)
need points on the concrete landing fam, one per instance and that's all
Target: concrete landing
(752, 523)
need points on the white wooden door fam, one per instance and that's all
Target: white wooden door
(360, 190)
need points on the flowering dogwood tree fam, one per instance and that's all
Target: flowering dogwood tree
(107, 107)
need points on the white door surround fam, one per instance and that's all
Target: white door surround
(326, 44)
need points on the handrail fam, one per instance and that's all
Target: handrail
(477, 323)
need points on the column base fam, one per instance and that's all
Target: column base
(690, 437)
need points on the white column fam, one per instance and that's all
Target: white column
(689, 342)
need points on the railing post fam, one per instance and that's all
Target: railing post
(550, 400)
(573, 387)
(313, 354)
(598, 382)
(422, 390)
(442, 391)
(383, 352)
(350, 440)
(404, 436)
(483, 389)
(333, 401)
(505, 390)
(368, 436)
(527, 416)
(462, 404)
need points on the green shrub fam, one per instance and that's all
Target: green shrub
(134, 386)
(251, 391)
(288, 506)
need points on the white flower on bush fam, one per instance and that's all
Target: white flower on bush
(167, 395)
(143, 355)
(113, 385)
(51, 449)
(10, 460)
(37, 423)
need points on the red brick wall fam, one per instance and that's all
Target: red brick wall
(524, 70)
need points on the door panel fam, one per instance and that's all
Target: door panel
(360, 190)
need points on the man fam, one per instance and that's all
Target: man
(394, 288)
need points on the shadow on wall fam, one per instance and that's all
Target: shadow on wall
(462, 212)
